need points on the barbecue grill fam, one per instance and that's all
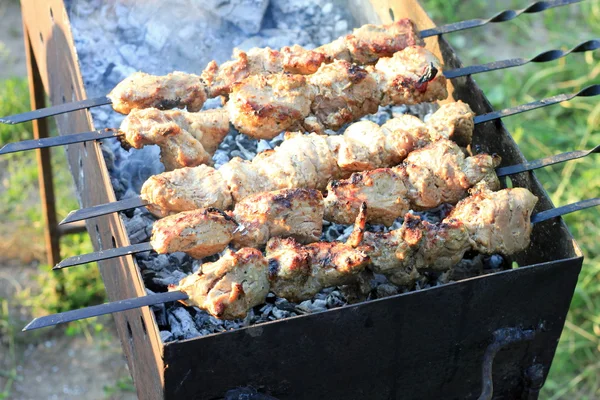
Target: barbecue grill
(462, 338)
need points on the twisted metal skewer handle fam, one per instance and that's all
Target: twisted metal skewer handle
(502, 16)
(592, 90)
(546, 56)
(546, 161)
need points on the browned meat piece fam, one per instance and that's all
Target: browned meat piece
(301, 161)
(175, 90)
(448, 178)
(453, 121)
(369, 43)
(497, 222)
(295, 59)
(410, 76)
(229, 287)
(186, 189)
(262, 106)
(417, 184)
(488, 222)
(199, 233)
(296, 213)
(178, 148)
(343, 92)
(298, 272)
(383, 189)
(185, 139)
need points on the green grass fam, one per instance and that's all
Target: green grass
(21, 236)
(575, 372)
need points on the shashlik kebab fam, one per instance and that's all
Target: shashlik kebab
(363, 146)
(282, 269)
(365, 44)
(161, 130)
(298, 213)
(489, 222)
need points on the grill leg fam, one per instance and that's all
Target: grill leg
(40, 130)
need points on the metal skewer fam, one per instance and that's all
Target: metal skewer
(135, 202)
(502, 16)
(146, 246)
(122, 305)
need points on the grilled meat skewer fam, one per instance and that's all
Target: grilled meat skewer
(190, 139)
(159, 298)
(365, 45)
(307, 161)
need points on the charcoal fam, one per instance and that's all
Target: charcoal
(182, 324)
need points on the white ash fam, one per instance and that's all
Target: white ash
(115, 38)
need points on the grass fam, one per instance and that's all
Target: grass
(575, 372)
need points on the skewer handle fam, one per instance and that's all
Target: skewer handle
(546, 56)
(502, 16)
(544, 162)
(592, 90)
(560, 211)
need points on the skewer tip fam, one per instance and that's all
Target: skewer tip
(66, 219)
(31, 326)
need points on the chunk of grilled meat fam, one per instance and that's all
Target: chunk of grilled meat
(301, 161)
(295, 59)
(369, 43)
(337, 93)
(186, 189)
(299, 272)
(262, 106)
(410, 76)
(199, 233)
(296, 213)
(185, 139)
(175, 90)
(435, 174)
(230, 286)
(488, 222)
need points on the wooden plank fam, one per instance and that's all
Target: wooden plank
(52, 43)
(44, 162)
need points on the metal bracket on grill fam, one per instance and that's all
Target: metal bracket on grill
(502, 337)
